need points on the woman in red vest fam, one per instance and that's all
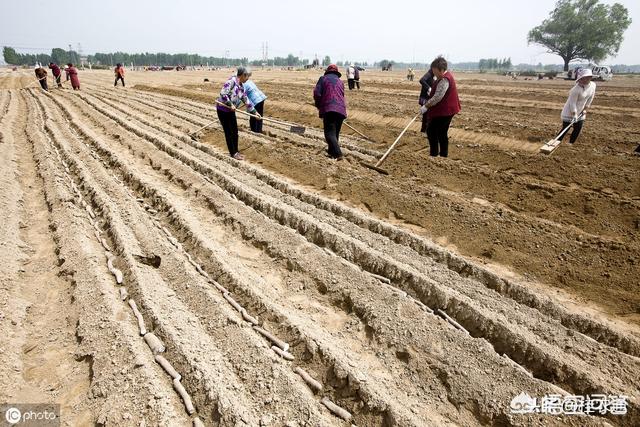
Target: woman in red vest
(440, 108)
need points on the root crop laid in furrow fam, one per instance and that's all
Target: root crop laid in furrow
(181, 174)
(178, 301)
(124, 385)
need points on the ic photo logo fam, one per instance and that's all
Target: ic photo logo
(13, 415)
(30, 414)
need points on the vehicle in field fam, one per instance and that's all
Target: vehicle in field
(600, 72)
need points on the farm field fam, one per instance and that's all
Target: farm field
(534, 259)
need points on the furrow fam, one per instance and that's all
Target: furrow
(210, 202)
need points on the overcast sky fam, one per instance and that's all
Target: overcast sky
(365, 30)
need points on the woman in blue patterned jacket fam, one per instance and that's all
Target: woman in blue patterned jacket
(257, 98)
(231, 96)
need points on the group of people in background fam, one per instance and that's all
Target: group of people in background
(353, 77)
(70, 71)
(439, 103)
(438, 100)
(234, 93)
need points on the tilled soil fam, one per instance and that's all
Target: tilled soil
(293, 290)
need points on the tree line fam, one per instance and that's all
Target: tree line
(495, 64)
(59, 56)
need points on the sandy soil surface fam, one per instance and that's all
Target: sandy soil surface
(294, 290)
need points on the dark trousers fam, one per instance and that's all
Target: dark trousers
(230, 126)
(351, 83)
(575, 133)
(119, 77)
(438, 135)
(255, 124)
(425, 122)
(332, 123)
(58, 80)
(44, 85)
(357, 82)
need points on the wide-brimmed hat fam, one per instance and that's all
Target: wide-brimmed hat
(584, 72)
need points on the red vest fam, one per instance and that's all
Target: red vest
(450, 104)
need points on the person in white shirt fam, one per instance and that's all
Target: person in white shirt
(351, 76)
(580, 99)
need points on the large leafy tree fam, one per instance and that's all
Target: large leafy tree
(10, 56)
(582, 29)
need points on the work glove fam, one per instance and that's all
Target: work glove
(423, 110)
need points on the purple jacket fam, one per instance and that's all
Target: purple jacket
(55, 69)
(329, 95)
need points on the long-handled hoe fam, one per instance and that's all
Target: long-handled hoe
(292, 128)
(356, 131)
(550, 146)
(377, 167)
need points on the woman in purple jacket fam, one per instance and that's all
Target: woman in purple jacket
(231, 97)
(329, 99)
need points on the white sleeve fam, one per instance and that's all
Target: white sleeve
(590, 100)
(572, 101)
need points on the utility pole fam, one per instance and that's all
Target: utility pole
(79, 52)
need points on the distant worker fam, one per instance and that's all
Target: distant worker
(231, 96)
(425, 91)
(119, 72)
(328, 96)
(580, 99)
(440, 108)
(55, 70)
(410, 74)
(257, 98)
(73, 76)
(41, 75)
(66, 73)
(351, 76)
(356, 77)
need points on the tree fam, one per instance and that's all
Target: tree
(582, 29)
(326, 61)
(60, 56)
(10, 56)
(386, 64)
